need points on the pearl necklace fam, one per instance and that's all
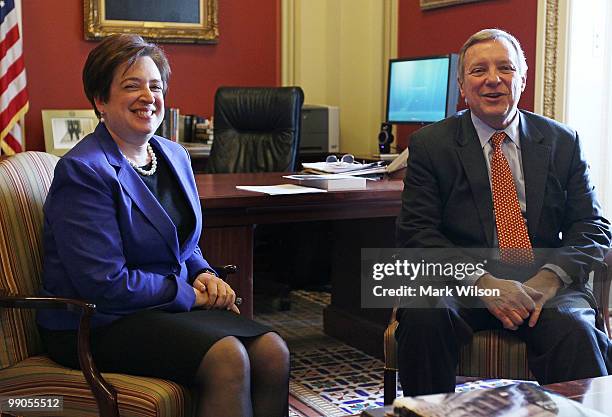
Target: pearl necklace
(153, 163)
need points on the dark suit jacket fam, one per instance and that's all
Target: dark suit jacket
(447, 199)
(109, 241)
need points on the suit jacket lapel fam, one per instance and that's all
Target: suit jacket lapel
(138, 191)
(475, 168)
(536, 159)
(183, 173)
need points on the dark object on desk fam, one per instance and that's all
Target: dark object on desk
(25, 369)
(169, 128)
(186, 127)
(385, 138)
(256, 129)
(320, 130)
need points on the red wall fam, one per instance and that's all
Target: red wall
(248, 53)
(444, 30)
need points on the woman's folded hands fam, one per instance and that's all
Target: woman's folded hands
(213, 293)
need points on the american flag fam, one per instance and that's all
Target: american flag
(13, 93)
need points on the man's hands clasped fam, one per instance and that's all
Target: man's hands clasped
(546, 283)
(213, 293)
(517, 302)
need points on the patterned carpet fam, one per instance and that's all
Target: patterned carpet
(328, 378)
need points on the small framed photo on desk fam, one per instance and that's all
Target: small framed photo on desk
(65, 128)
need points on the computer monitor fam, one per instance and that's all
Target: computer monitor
(422, 90)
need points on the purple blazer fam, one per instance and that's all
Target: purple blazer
(108, 241)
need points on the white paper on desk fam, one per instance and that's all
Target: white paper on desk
(280, 189)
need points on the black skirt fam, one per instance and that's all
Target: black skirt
(153, 343)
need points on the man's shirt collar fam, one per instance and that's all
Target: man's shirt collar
(485, 131)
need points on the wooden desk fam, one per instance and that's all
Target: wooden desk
(230, 215)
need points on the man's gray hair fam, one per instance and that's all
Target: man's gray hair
(491, 35)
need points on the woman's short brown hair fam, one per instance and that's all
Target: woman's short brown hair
(110, 54)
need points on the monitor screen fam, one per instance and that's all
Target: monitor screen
(421, 90)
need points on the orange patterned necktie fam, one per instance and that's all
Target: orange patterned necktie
(514, 244)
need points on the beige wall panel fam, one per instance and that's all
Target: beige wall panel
(339, 50)
(312, 48)
(361, 60)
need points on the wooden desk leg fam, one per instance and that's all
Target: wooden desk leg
(344, 318)
(233, 245)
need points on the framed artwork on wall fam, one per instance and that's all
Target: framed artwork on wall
(434, 4)
(65, 128)
(179, 21)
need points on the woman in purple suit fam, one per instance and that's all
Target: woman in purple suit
(122, 224)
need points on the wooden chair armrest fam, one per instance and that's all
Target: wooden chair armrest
(225, 270)
(105, 394)
(601, 290)
(8, 300)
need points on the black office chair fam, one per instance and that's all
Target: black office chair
(256, 129)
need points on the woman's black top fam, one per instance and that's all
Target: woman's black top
(166, 188)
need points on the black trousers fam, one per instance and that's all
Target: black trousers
(563, 345)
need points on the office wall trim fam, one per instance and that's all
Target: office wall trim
(389, 48)
(288, 28)
(551, 58)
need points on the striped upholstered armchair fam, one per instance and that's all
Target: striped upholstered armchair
(497, 353)
(24, 368)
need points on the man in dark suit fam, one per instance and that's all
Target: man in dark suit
(494, 176)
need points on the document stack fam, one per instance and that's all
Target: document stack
(330, 182)
(204, 132)
(356, 169)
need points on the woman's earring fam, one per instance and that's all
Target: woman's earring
(101, 117)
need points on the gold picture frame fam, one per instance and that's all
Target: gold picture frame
(156, 21)
(434, 4)
(65, 128)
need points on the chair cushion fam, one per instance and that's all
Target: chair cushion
(494, 354)
(491, 354)
(137, 396)
(24, 182)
